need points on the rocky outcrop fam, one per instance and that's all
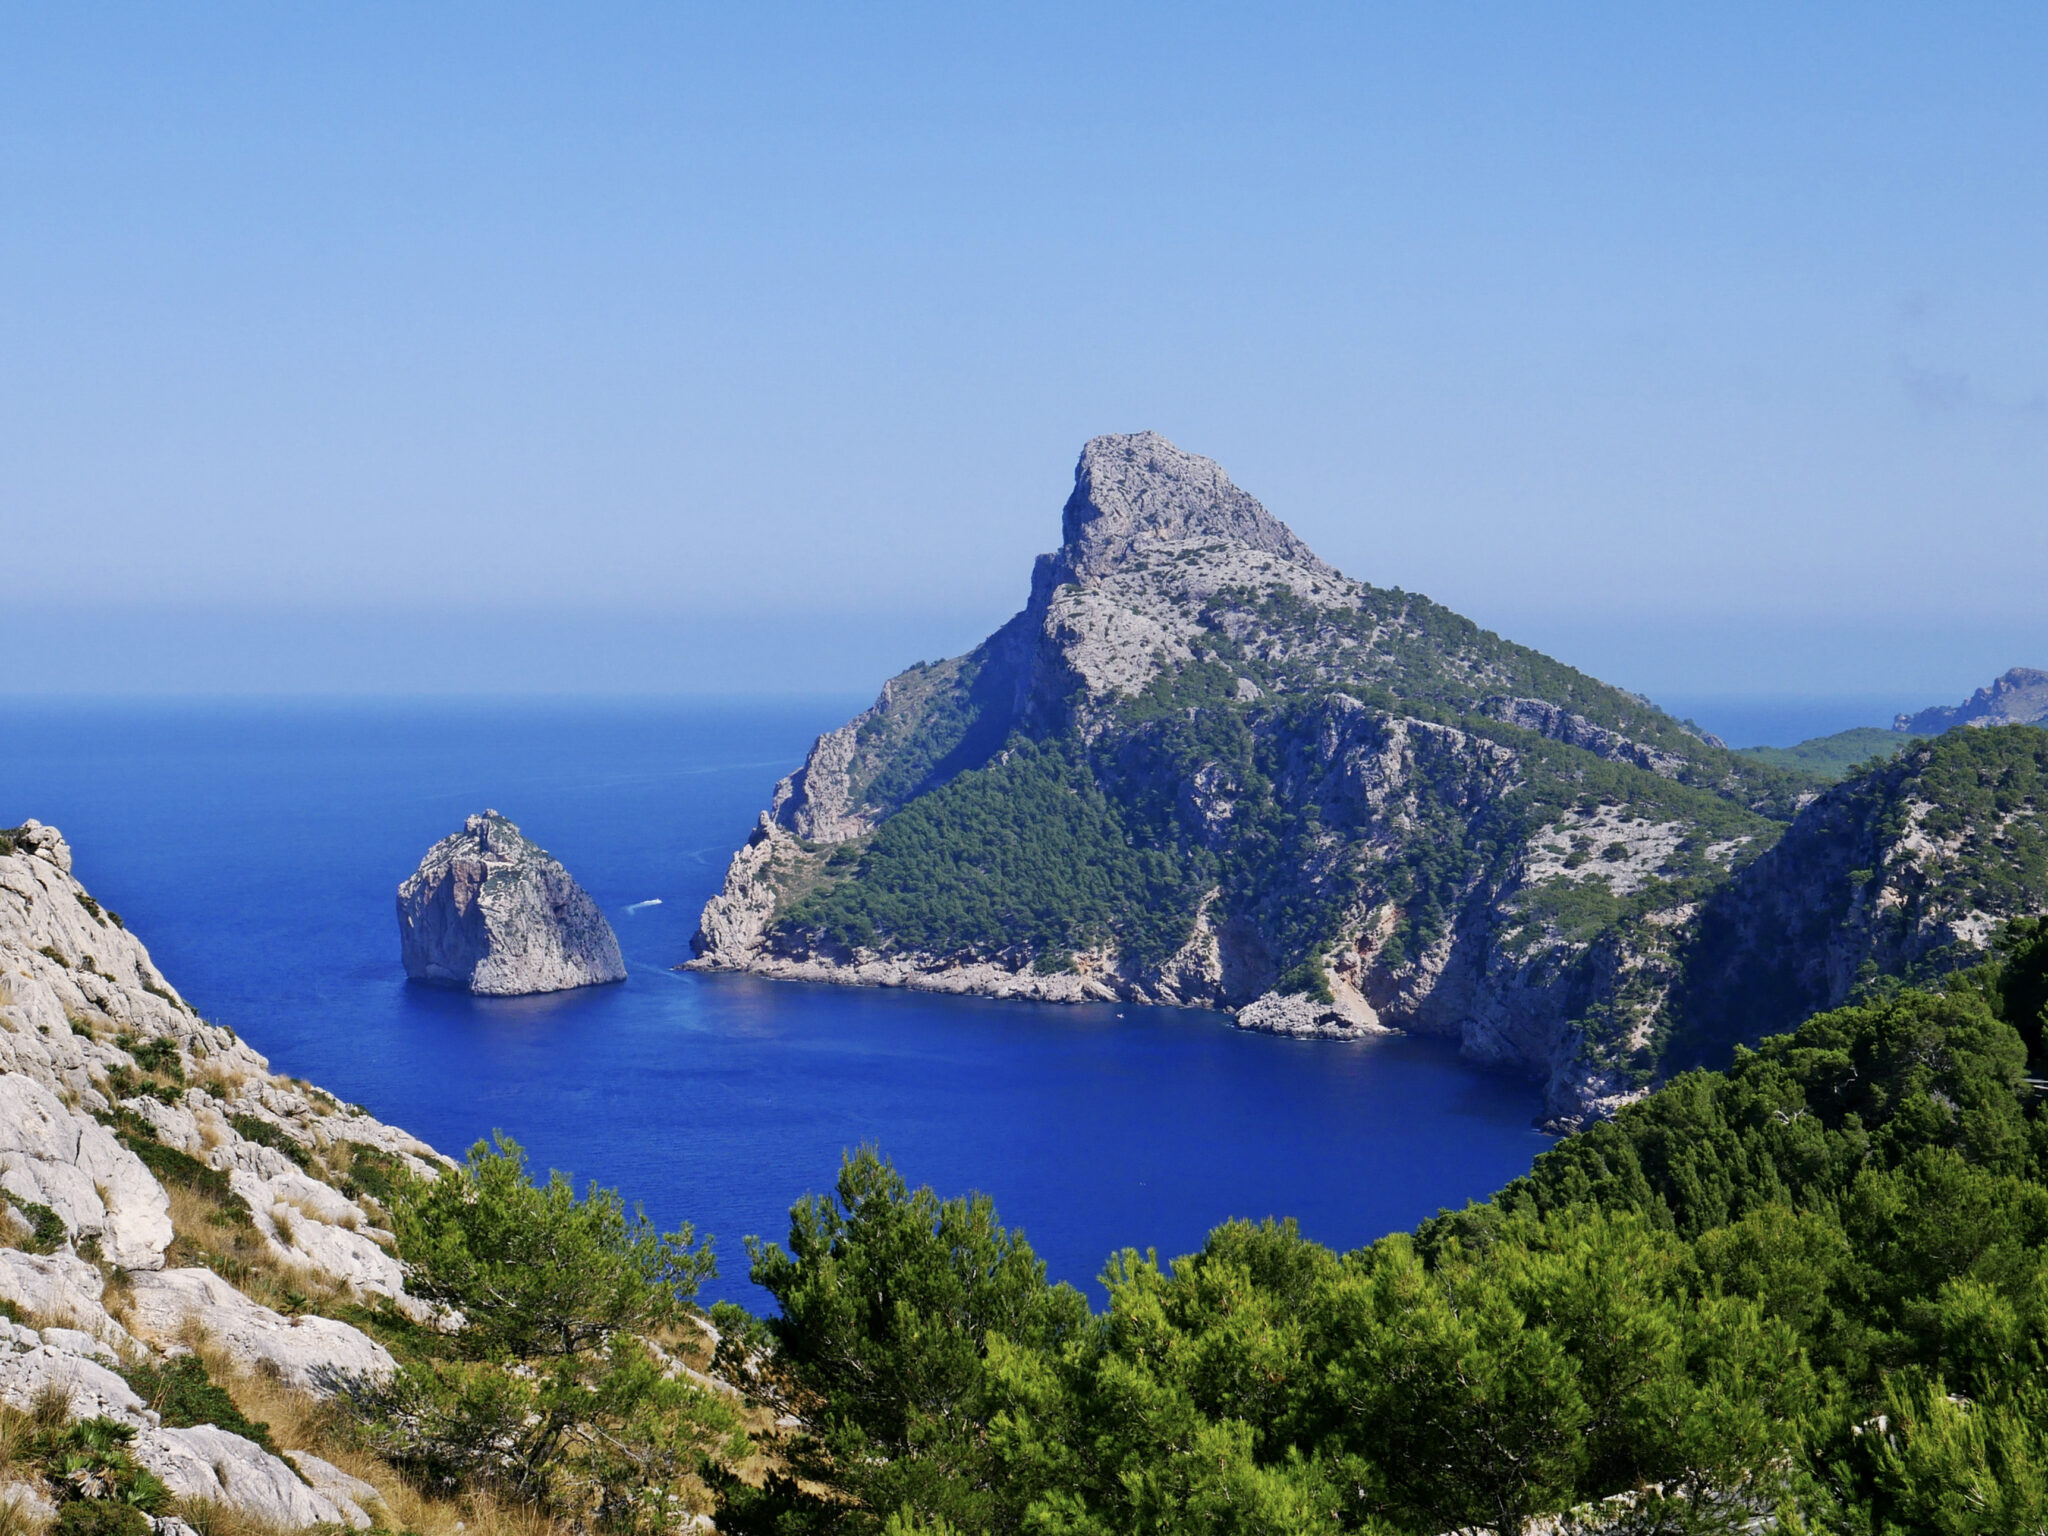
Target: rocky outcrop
(211, 1464)
(1337, 790)
(100, 1061)
(1171, 583)
(173, 1306)
(69, 1164)
(491, 912)
(1307, 1018)
(61, 1289)
(2020, 697)
(1576, 730)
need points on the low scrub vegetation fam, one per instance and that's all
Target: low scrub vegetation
(556, 1391)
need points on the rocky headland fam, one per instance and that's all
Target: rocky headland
(489, 911)
(1203, 767)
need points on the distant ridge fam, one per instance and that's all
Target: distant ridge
(2020, 697)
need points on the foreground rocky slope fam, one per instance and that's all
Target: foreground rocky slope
(1201, 766)
(148, 1159)
(492, 912)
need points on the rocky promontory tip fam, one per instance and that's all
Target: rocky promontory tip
(2020, 697)
(489, 911)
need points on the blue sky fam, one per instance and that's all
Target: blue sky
(644, 348)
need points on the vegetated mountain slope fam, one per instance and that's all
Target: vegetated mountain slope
(1834, 757)
(1201, 766)
(1809, 1293)
(1904, 871)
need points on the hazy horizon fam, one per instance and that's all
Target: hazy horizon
(654, 350)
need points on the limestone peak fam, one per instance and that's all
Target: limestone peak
(1136, 487)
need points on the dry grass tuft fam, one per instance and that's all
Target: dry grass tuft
(221, 1080)
(50, 1408)
(211, 1519)
(15, 1430)
(17, 1519)
(206, 1235)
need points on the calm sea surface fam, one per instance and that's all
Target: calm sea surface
(256, 848)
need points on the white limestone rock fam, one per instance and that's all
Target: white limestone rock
(91, 1387)
(310, 1224)
(209, 1463)
(328, 1479)
(29, 1500)
(489, 911)
(310, 1353)
(59, 1288)
(1291, 1013)
(53, 1156)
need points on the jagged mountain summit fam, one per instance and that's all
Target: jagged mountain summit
(1203, 767)
(2020, 697)
(490, 911)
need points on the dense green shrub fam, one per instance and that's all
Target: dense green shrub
(101, 1490)
(160, 1056)
(374, 1172)
(1025, 855)
(1815, 1285)
(100, 1517)
(555, 1398)
(46, 1227)
(535, 1270)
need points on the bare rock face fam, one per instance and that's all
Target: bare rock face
(490, 911)
(310, 1353)
(1291, 1013)
(68, 1163)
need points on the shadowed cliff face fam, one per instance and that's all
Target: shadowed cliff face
(1201, 766)
(1904, 871)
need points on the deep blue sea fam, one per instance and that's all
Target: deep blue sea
(256, 848)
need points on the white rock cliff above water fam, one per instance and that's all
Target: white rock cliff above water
(489, 911)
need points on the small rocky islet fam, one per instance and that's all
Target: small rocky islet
(491, 912)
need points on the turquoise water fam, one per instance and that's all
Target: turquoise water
(256, 848)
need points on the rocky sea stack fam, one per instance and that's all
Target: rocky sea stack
(490, 911)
